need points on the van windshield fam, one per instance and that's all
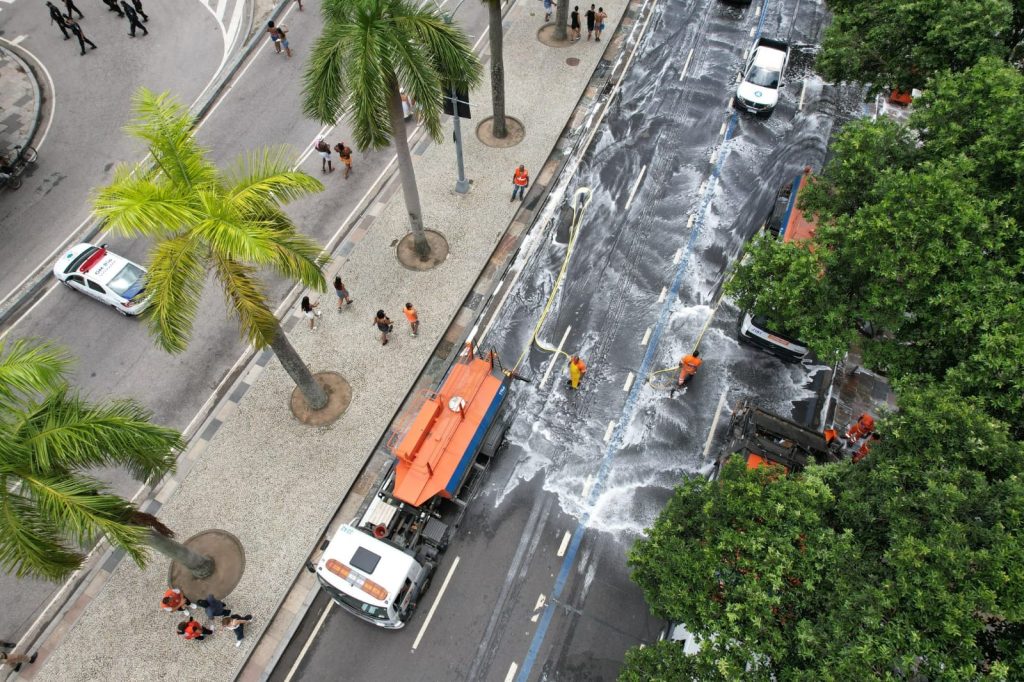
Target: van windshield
(762, 323)
(369, 611)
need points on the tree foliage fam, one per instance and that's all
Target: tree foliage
(919, 237)
(908, 563)
(51, 507)
(891, 43)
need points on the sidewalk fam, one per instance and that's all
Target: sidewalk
(20, 101)
(254, 471)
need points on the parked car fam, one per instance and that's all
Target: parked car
(103, 275)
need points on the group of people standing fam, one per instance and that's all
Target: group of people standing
(66, 22)
(595, 22)
(326, 163)
(217, 614)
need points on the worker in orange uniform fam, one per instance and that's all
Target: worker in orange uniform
(864, 426)
(174, 600)
(520, 179)
(414, 319)
(688, 366)
(865, 447)
(577, 368)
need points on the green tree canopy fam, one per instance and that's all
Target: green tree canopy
(907, 563)
(901, 44)
(51, 507)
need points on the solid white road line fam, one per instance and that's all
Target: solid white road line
(309, 641)
(686, 66)
(664, 292)
(554, 358)
(636, 184)
(565, 544)
(757, 11)
(714, 422)
(437, 600)
(721, 131)
(692, 219)
(538, 608)
(511, 672)
(629, 382)
(676, 258)
(647, 337)
(803, 91)
(608, 432)
(753, 30)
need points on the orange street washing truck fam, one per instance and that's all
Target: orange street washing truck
(377, 566)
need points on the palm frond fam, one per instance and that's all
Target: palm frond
(268, 175)
(167, 126)
(29, 368)
(66, 433)
(136, 205)
(29, 545)
(174, 282)
(324, 82)
(245, 297)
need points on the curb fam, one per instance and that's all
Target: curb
(12, 50)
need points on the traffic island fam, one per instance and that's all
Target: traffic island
(411, 260)
(516, 131)
(339, 396)
(228, 557)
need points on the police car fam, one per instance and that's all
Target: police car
(105, 276)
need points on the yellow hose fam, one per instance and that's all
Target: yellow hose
(577, 217)
(696, 345)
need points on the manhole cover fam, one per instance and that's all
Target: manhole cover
(573, 61)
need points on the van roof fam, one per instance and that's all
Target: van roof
(382, 563)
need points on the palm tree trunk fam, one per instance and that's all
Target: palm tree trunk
(498, 128)
(201, 566)
(562, 20)
(297, 370)
(410, 192)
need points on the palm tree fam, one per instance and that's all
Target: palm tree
(495, 35)
(50, 508)
(369, 49)
(203, 220)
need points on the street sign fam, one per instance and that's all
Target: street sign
(462, 97)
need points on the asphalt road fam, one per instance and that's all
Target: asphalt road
(115, 356)
(540, 589)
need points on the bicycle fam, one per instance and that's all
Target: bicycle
(10, 172)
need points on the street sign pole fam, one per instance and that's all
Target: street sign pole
(461, 183)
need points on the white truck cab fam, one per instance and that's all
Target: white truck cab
(370, 578)
(762, 77)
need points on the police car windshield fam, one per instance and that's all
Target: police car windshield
(766, 78)
(126, 279)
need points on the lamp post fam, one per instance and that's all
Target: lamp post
(461, 183)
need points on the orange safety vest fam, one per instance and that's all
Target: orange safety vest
(579, 365)
(410, 314)
(690, 365)
(193, 629)
(521, 178)
(175, 600)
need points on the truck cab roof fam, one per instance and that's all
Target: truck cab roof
(365, 557)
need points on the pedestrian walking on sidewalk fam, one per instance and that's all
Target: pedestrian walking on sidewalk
(193, 629)
(414, 319)
(591, 21)
(237, 624)
(342, 293)
(577, 368)
(345, 154)
(55, 15)
(547, 10)
(70, 6)
(324, 149)
(133, 19)
(601, 16)
(15, 660)
(112, 7)
(77, 30)
(214, 607)
(384, 325)
(299, 3)
(520, 179)
(137, 4)
(574, 22)
(279, 34)
(310, 311)
(173, 600)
